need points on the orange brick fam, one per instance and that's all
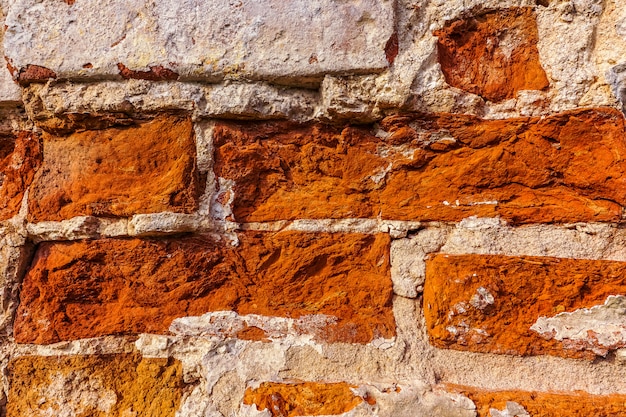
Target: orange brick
(303, 399)
(565, 168)
(120, 171)
(126, 286)
(546, 404)
(493, 54)
(21, 157)
(102, 385)
(488, 303)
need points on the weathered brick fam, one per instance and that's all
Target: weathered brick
(543, 404)
(525, 305)
(103, 385)
(298, 42)
(302, 399)
(493, 54)
(125, 286)
(20, 159)
(565, 168)
(120, 171)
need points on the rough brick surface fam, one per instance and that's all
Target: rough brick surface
(542, 404)
(199, 40)
(117, 286)
(21, 157)
(302, 399)
(120, 171)
(493, 303)
(266, 191)
(101, 385)
(565, 168)
(493, 54)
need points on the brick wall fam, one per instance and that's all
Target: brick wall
(313, 208)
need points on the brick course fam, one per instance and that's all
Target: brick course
(563, 168)
(128, 286)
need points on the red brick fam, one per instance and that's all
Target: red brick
(547, 404)
(493, 54)
(460, 315)
(21, 157)
(565, 168)
(35, 74)
(303, 399)
(99, 385)
(156, 73)
(126, 286)
(120, 171)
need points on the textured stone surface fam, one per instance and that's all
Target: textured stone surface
(493, 55)
(303, 399)
(15, 254)
(98, 386)
(120, 171)
(116, 286)
(537, 175)
(197, 40)
(232, 100)
(564, 168)
(543, 404)
(491, 303)
(20, 158)
(568, 41)
(9, 90)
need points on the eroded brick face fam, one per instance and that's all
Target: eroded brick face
(564, 168)
(21, 157)
(543, 404)
(493, 303)
(302, 399)
(120, 171)
(126, 286)
(493, 55)
(99, 385)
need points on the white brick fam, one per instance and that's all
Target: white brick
(294, 42)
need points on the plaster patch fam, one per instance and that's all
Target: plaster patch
(512, 409)
(224, 324)
(600, 328)
(482, 299)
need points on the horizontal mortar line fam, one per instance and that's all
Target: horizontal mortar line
(501, 372)
(119, 344)
(114, 344)
(182, 222)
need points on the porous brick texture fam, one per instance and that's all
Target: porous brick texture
(260, 208)
(127, 286)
